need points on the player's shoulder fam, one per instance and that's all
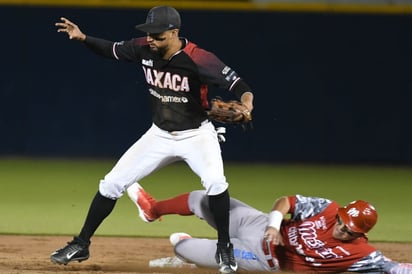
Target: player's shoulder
(193, 50)
(307, 206)
(188, 46)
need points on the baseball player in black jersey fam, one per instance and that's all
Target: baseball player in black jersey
(177, 73)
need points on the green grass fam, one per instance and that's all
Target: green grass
(52, 196)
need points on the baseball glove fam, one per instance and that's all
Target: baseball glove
(229, 112)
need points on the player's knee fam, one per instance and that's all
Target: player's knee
(216, 188)
(179, 251)
(111, 190)
(214, 185)
(184, 251)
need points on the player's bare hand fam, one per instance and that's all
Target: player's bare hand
(71, 29)
(273, 235)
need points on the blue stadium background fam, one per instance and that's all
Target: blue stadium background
(329, 87)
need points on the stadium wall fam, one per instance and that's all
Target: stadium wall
(331, 86)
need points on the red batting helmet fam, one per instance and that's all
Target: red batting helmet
(359, 216)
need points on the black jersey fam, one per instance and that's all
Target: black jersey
(178, 86)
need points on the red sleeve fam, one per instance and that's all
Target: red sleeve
(212, 70)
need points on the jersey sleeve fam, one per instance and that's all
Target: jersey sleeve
(124, 50)
(376, 262)
(99, 46)
(302, 207)
(212, 70)
(129, 50)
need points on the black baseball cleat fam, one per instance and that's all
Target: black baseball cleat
(76, 250)
(225, 258)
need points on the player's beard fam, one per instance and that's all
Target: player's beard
(159, 50)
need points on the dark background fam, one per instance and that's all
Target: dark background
(329, 88)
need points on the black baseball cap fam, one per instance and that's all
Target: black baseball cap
(160, 19)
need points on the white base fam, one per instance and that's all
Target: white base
(173, 262)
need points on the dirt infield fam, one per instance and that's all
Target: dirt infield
(30, 254)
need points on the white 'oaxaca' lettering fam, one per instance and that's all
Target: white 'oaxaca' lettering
(167, 80)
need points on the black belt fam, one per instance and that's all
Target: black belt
(267, 248)
(175, 132)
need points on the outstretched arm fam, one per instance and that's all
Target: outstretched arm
(377, 263)
(71, 29)
(400, 268)
(100, 46)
